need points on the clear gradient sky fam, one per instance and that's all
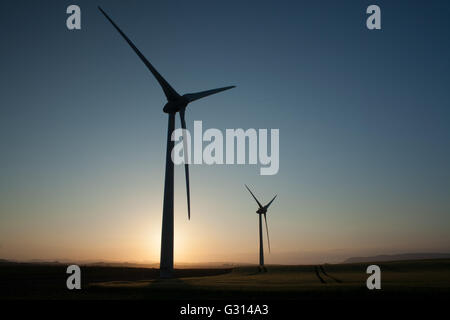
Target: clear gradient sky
(363, 118)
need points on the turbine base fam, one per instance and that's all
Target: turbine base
(165, 274)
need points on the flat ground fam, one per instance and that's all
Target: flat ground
(429, 279)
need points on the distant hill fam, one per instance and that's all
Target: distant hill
(398, 257)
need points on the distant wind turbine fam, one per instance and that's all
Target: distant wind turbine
(175, 103)
(262, 210)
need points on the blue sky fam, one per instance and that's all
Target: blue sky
(363, 119)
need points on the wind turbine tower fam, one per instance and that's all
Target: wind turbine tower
(262, 210)
(175, 103)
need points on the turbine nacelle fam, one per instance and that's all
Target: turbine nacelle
(261, 211)
(175, 106)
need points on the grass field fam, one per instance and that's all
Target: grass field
(399, 280)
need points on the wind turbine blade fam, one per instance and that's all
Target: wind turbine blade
(259, 204)
(268, 205)
(170, 93)
(267, 229)
(198, 95)
(186, 164)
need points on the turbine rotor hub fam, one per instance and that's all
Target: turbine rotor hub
(175, 106)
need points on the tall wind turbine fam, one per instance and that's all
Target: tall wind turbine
(175, 103)
(262, 210)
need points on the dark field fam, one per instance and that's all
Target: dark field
(423, 279)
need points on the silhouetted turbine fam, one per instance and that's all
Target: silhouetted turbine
(175, 103)
(262, 210)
